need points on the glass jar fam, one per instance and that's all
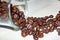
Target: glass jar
(7, 21)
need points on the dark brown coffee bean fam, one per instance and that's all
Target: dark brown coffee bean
(51, 16)
(57, 23)
(16, 16)
(15, 9)
(21, 20)
(30, 32)
(30, 20)
(16, 22)
(51, 29)
(34, 19)
(50, 22)
(40, 21)
(35, 38)
(21, 13)
(45, 18)
(22, 25)
(45, 30)
(34, 24)
(29, 26)
(23, 33)
(40, 35)
(58, 16)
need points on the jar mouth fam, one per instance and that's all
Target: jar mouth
(21, 8)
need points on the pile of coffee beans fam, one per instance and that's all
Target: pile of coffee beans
(35, 26)
(17, 16)
(3, 9)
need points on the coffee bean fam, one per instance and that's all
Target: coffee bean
(23, 33)
(35, 38)
(51, 29)
(45, 30)
(40, 35)
(30, 32)
(16, 16)
(51, 16)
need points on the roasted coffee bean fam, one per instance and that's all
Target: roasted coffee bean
(34, 24)
(29, 20)
(51, 16)
(45, 30)
(29, 26)
(50, 22)
(16, 16)
(22, 20)
(15, 9)
(16, 22)
(34, 19)
(39, 20)
(21, 13)
(40, 35)
(58, 16)
(57, 23)
(51, 29)
(45, 18)
(30, 32)
(35, 38)
(23, 33)
(22, 25)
